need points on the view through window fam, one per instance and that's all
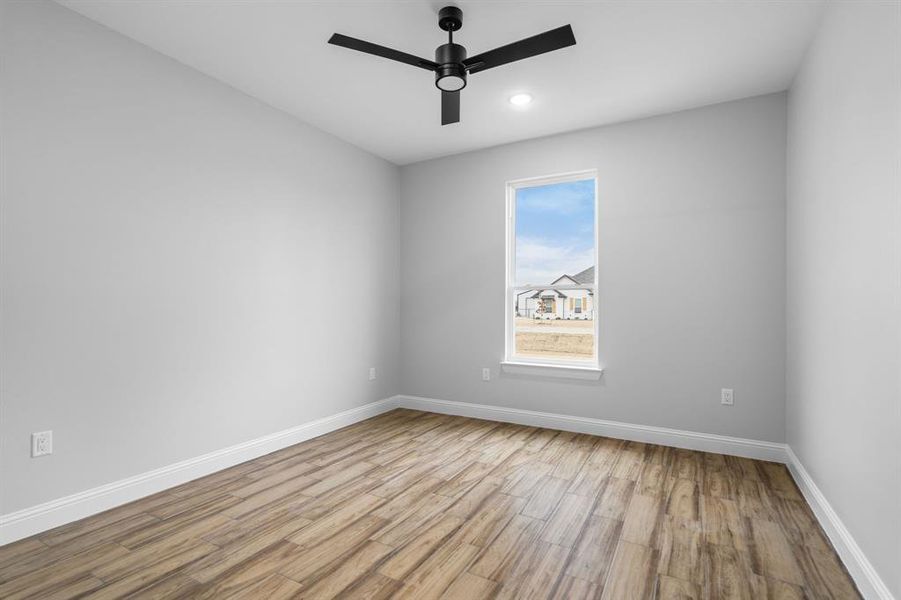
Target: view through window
(551, 279)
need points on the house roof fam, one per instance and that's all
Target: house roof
(538, 294)
(586, 276)
(556, 281)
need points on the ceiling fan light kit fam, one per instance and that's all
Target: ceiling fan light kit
(451, 65)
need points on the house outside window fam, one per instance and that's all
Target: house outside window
(551, 316)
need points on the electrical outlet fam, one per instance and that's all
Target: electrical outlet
(371, 373)
(486, 374)
(727, 396)
(41, 443)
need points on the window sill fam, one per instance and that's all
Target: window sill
(551, 370)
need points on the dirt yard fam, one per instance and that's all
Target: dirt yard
(557, 339)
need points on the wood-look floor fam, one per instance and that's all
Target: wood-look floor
(419, 505)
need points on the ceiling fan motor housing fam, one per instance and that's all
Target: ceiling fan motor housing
(451, 73)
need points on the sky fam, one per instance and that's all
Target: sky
(554, 230)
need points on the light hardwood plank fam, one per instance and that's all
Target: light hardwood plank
(632, 574)
(419, 505)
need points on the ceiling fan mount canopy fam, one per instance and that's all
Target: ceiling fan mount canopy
(452, 66)
(450, 18)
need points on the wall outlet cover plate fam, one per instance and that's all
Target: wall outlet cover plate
(41, 443)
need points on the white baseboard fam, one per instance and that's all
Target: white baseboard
(692, 440)
(865, 576)
(23, 523)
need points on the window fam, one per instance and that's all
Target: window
(551, 274)
(549, 305)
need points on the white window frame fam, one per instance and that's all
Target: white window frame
(578, 368)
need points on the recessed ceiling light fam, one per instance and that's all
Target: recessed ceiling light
(520, 99)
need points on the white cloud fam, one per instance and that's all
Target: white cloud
(538, 261)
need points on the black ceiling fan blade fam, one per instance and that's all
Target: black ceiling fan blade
(369, 48)
(450, 107)
(532, 46)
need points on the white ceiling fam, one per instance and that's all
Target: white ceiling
(633, 58)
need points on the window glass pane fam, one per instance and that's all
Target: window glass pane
(556, 324)
(554, 245)
(555, 233)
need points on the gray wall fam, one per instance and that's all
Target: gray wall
(166, 242)
(844, 266)
(692, 271)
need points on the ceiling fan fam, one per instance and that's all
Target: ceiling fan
(451, 65)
